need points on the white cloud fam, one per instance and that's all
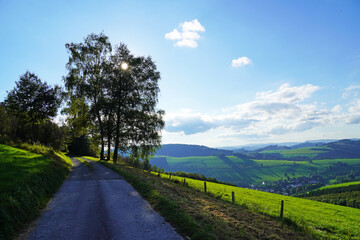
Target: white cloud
(174, 35)
(272, 112)
(354, 112)
(287, 114)
(188, 35)
(193, 26)
(240, 62)
(187, 43)
(351, 91)
(288, 94)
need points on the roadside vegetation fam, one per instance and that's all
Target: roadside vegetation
(205, 216)
(28, 179)
(316, 217)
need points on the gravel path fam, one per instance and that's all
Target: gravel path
(99, 204)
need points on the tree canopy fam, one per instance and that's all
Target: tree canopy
(120, 93)
(28, 109)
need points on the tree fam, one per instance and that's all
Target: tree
(33, 103)
(120, 91)
(86, 76)
(134, 95)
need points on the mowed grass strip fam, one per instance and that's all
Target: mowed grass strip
(86, 163)
(203, 216)
(339, 185)
(322, 219)
(27, 182)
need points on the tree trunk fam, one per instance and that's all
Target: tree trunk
(109, 147)
(117, 135)
(102, 137)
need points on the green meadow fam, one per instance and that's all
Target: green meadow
(322, 219)
(27, 182)
(244, 172)
(300, 152)
(340, 185)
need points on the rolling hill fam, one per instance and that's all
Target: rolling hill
(328, 161)
(184, 150)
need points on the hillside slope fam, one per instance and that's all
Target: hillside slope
(316, 217)
(27, 182)
(242, 171)
(184, 150)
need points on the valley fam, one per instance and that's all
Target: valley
(280, 170)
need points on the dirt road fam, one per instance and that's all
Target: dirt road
(99, 204)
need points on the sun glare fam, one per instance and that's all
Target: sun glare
(124, 66)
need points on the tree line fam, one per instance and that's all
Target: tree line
(109, 98)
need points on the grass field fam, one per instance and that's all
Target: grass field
(324, 220)
(236, 171)
(300, 152)
(27, 182)
(340, 185)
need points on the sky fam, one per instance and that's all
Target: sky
(232, 72)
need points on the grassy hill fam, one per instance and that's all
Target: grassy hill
(185, 150)
(310, 152)
(340, 185)
(270, 164)
(27, 181)
(345, 194)
(243, 171)
(339, 149)
(315, 216)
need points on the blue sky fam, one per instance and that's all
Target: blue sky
(233, 72)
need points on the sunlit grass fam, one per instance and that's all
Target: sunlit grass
(340, 185)
(27, 181)
(325, 220)
(86, 163)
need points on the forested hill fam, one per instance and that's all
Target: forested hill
(184, 150)
(342, 149)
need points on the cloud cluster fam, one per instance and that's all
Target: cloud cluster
(240, 62)
(351, 91)
(270, 113)
(188, 35)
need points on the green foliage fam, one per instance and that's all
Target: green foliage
(26, 114)
(317, 217)
(78, 119)
(83, 146)
(113, 104)
(27, 182)
(32, 102)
